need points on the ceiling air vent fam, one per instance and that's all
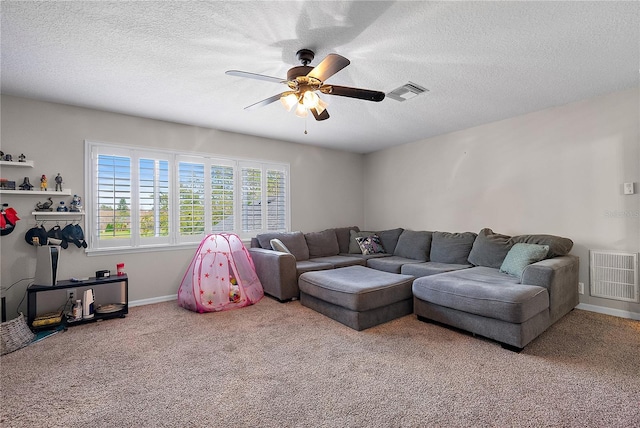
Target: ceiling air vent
(407, 91)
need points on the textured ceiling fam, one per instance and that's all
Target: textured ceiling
(480, 61)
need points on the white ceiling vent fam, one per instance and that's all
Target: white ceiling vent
(407, 91)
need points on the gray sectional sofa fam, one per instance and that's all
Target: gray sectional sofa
(465, 280)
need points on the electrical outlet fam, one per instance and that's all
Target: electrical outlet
(581, 287)
(71, 294)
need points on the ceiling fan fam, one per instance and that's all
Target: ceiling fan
(304, 81)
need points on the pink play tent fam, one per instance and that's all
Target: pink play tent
(221, 276)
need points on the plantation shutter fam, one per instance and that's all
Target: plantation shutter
(153, 200)
(112, 204)
(222, 198)
(251, 199)
(276, 200)
(191, 182)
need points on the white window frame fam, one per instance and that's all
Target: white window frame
(174, 240)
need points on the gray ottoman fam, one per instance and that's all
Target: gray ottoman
(357, 296)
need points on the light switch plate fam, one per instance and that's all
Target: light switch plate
(628, 189)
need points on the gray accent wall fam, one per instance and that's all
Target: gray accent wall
(556, 171)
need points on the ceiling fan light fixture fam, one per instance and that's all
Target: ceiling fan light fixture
(322, 106)
(310, 99)
(301, 110)
(289, 101)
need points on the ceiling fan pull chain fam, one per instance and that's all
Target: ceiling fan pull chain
(305, 125)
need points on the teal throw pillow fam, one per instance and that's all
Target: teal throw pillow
(522, 255)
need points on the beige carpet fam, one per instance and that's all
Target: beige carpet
(284, 365)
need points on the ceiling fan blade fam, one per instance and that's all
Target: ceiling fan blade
(322, 116)
(329, 66)
(345, 91)
(265, 102)
(246, 74)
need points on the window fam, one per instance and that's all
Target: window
(139, 198)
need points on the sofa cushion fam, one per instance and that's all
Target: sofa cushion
(483, 291)
(278, 245)
(294, 241)
(558, 246)
(430, 268)
(340, 261)
(354, 248)
(389, 238)
(343, 235)
(322, 244)
(370, 244)
(392, 264)
(489, 249)
(452, 248)
(522, 255)
(414, 245)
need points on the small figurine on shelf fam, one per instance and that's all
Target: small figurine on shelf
(22, 158)
(8, 157)
(58, 182)
(44, 206)
(26, 185)
(62, 208)
(76, 204)
(43, 182)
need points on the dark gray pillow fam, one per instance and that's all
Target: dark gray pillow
(343, 235)
(354, 247)
(413, 244)
(294, 241)
(558, 246)
(389, 239)
(490, 249)
(452, 248)
(322, 244)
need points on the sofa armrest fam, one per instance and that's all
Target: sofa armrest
(277, 272)
(559, 275)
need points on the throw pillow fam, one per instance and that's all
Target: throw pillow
(277, 245)
(370, 244)
(558, 246)
(522, 255)
(294, 241)
(389, 239)
(354, 248)
(413, 244)
(322, 244)
(343, 235)
(489, 249)
(451, 248)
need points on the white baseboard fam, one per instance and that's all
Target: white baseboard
(609, 311)
(153, 300)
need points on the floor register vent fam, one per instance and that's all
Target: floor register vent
(614, 275)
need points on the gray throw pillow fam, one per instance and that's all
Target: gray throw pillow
(558, 246)
(389, 239)
(413, 244)
(489, 249)
(343, 235)
(322, 244)
(354, 247)
(452, 248)
(294, 241)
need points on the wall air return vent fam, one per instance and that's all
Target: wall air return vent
(407, 91)
(614, 275)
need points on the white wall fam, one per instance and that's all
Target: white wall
(557, 171)
(326, 185)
